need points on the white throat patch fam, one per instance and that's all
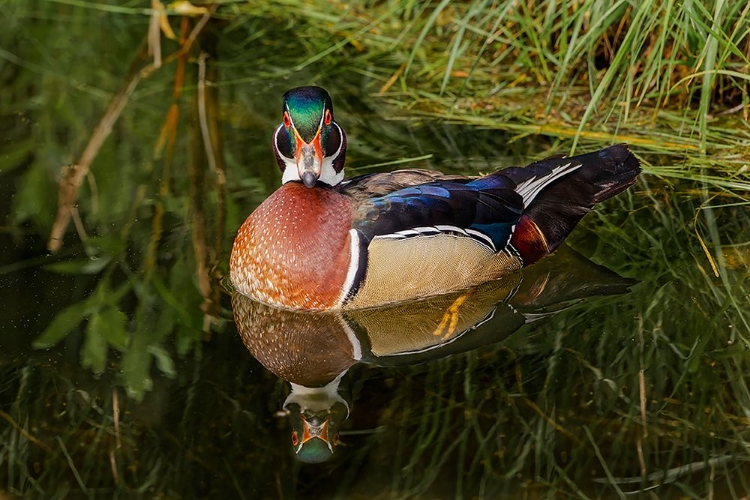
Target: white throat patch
(328, 174)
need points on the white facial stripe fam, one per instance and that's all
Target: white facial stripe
(316, 399)
(328, 174)
(276, 137)
(290, 116)
(290, 171)
(341, 143)
(320, 125)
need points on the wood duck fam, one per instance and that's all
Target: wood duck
(315, 351)
(324, 243)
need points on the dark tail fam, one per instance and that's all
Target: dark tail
(556, 210)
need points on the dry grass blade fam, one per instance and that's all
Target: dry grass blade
(73, 175)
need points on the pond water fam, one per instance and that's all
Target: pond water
(617, 366)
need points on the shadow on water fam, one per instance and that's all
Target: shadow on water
(122, 373)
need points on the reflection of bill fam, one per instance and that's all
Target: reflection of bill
(313, 351)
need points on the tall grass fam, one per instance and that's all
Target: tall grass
(668, 77)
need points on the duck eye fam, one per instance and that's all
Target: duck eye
(287, 120)
(328, 117)
(295, 439)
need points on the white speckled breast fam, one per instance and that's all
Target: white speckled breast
(293, 250)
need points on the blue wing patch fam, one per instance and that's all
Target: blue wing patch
(486, 211)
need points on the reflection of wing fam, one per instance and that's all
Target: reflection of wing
(532, 317)
(431, 324)
(484, 315)
(313, 349)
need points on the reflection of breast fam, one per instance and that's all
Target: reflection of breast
(312, 349)
(304, 348)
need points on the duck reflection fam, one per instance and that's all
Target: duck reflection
(314, 351)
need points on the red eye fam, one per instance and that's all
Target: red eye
(336, 439)
(328, 117)
(295, 439)
(287, 120)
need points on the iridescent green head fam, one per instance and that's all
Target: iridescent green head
(310, 146)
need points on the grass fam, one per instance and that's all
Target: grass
(652, 383)
(668, 77)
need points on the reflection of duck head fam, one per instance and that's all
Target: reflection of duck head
(316, 414)
(313, 351)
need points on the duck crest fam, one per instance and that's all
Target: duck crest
(294, 250)
(309, 106)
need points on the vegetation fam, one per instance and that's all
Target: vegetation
(666, 77)
(119, 368)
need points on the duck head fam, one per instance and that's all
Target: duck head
(310, 146)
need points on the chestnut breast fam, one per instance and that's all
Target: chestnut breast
(293, 250)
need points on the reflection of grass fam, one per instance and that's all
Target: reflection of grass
(524, 418)
(190, 439)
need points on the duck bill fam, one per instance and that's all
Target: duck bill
(315, 429)
(309, 160)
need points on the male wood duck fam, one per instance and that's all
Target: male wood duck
(324, 243)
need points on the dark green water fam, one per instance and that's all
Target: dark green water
(620, 365)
